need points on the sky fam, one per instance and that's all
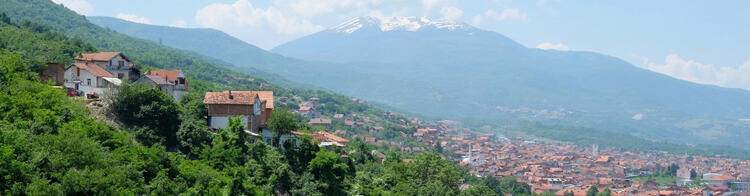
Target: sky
(705, 42)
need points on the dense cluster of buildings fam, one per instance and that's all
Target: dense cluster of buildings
(560, 168)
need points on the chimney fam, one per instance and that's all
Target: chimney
(230, 95)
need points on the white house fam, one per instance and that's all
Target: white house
(94, 72)
(114, 62)
(89, 77)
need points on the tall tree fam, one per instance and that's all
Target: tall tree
(282, 122)
(592, 191)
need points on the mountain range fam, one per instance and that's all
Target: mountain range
(451, 70)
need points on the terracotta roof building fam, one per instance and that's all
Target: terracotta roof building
(253, 106)
(172, 82)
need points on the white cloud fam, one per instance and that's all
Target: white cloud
(552, 46)
(253, 24)
(732, 77)
(310, 8)
(429, 4)
(242, 13)
(451, 13)
(133, 18)
(80, 6)
(179, 23)
(507, 14)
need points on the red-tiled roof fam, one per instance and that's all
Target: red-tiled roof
(239, 97)
(333, 137)
(94, 69)
(722, 178)
(169, 75)
(99, 56)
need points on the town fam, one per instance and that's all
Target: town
(548, 166)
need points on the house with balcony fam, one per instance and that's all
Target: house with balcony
(115, 63)
(172, 82)
(95, 72)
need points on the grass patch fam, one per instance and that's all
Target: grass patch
(662, 180)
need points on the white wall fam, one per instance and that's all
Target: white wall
(221, 122)
(70, 76)
(267, 136)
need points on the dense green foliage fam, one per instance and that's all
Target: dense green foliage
(154, 113)
(38, 44)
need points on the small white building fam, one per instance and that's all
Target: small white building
(89, 77)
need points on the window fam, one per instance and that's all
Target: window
(120, 75)
(120, 64)
(88, 81)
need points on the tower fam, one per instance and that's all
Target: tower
(595, 150)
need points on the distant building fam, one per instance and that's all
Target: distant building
(253, 106)
(320, 122)
(172, 82)
(683, 173)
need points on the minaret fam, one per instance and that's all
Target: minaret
(595, 150)
(470, 152)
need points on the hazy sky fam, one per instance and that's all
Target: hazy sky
(701, 41)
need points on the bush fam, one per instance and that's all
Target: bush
(139, 105)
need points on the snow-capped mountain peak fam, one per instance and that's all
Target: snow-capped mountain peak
(397, 24)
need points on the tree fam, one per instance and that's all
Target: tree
(328, 167)
(191, 106)
(592, 191)
(493, 183)
(139, 105)
(672, 169)
(228, 148)
(693, 174)
(193, 134)
(478, 190)
(282, 122)
(511, 186)
(568, 193)
(605, 192)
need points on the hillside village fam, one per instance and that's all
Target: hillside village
(548, 166)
